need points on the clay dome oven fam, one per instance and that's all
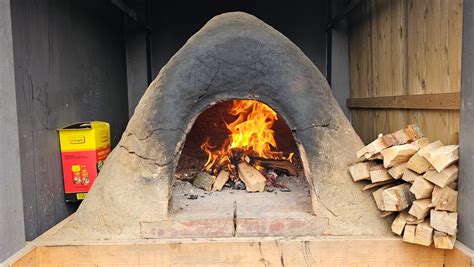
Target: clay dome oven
(234, 56)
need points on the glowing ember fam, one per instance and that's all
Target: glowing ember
(250, 134)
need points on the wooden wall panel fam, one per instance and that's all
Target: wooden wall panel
(405, 47)
(388, 66)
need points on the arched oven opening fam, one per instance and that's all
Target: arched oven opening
(240, 162)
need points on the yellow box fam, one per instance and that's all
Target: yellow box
(84, 148)
(84, 136)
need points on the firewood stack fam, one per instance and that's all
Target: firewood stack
(415, 179)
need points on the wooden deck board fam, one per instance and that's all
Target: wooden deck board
(239, 252)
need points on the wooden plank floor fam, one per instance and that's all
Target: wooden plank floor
(235, 252)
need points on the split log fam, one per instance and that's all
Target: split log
(253, 179)
(409, 176)
(409, 233)
(377, 194)
(376, 146)
(384, 214)
(444, 221)
(397, 171)
(453, 185)
(377, 156)
(397, 154)
(421, 188)
(443, 240)
(445, 199)
(399, 223)
(375, 185)
(412, 220)
(421, 143)
(424, 234)
(360, 171)
(426, 150)
(379, 174)
(443, 157)
(397, 198)
(444, 177)
(410, 133)
(221, 180)
(281, 165)
(204, 181)
(420, 208)
(418, 164)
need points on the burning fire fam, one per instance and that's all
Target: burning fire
(250, 134)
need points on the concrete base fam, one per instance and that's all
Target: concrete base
(306, 225)
(223, 227)
(232, 212)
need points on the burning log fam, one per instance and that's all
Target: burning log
(279, 165)
(204, 180)
(253, 179)
(250, 141)
(221, 179)
(250, 133)
(271, 177)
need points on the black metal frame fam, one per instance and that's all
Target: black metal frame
(331, 24)
(144, 24)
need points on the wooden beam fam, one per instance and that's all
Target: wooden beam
(256, 252)
(246, 251)
(446, 101)
(25, 257)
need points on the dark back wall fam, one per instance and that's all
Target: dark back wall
(173, 22)
(69, 67)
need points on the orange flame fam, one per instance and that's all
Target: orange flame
(290, 157)
(250, 134)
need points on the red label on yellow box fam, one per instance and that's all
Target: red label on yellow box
(84, 148)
